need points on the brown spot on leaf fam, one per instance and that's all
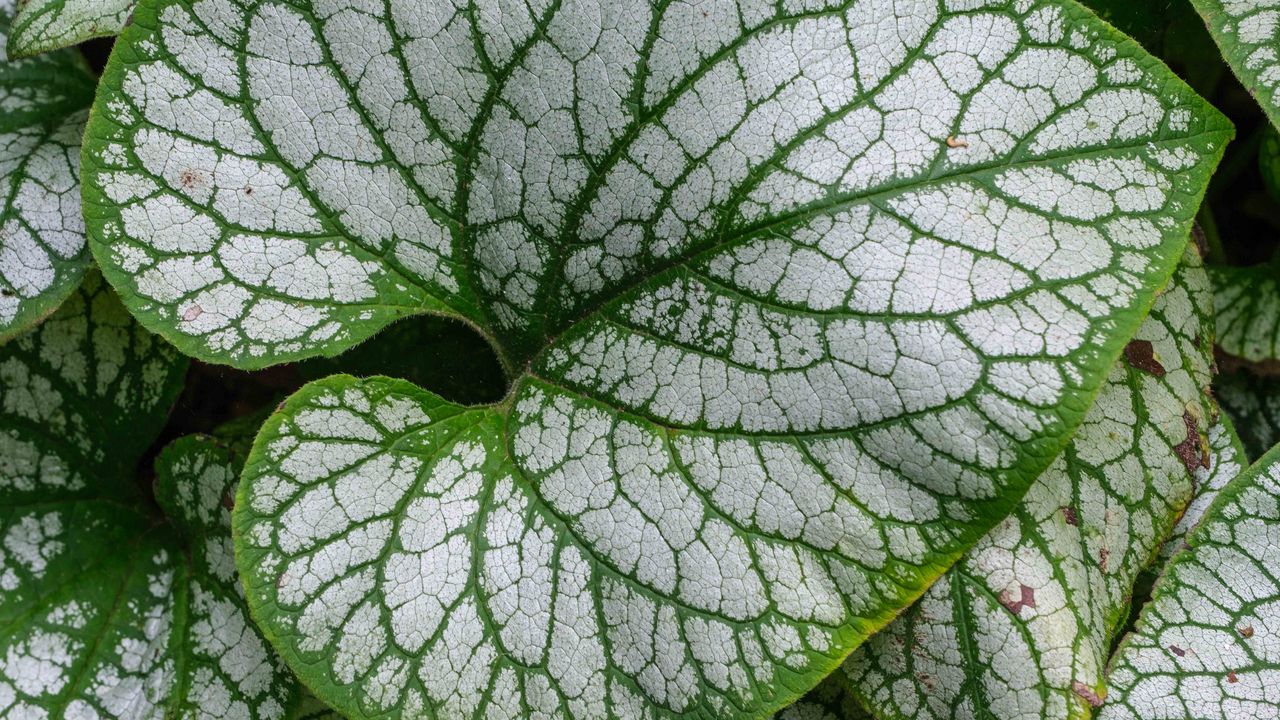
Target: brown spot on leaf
(248, 190)
(1071, 516)
(1177, 651)
(192, 313)
(953, 142)
(1231, 676)
(1103, 556)
(1191, 451)
(1246, 631)
(6, 292)
(1086, 692)
(1026, 598)
(229, 500)
(1142, 355)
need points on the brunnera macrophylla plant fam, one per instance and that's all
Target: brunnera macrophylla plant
(858, 363)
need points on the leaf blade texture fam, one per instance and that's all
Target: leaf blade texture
(1202, 646)
(1246, 33)
(870, 260)
(1021, 628)
(42, 26)
(43, 252)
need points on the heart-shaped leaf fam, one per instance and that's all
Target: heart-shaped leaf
(1021, 627)
(43, 257)
(796, 299)
(1207, 644)
(44, 25)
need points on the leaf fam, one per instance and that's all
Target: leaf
(872, 272)
(1021, 627)
(82, 396)
(109, 615)
(1247, 303)
(1253, 403)
(1227, 459)
(1248, 33)
(41, 26)
(43, 257)
(1205, 646)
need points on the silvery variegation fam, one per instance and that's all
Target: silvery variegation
(43, 254)
(796, 300)
(1206, 646)
(1022, 627)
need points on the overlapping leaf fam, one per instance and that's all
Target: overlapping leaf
(1248, 33)
(1207, 644)
(1021, 627)
(43, 256)
(103, 612)
(797, 299)
(1253, 403)
(1248, 309)
(1227, 459)
(44, 25)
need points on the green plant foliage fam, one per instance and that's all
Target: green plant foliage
(43, 255)
(1022, 626)
(1253, 403)
(639, 359)
(1247, 302)
(40, 26)
(105, 612)
(1248, 35)
(874, 272)
(1206, 646)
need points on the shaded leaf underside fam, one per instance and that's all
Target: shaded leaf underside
(798, 298)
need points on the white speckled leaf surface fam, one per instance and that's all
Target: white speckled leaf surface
(41, 26)
(43, 254)
(1248, 309)
(105, 612)
(1253, 403)
(1021, 627)
(797, 299)
(1227, 459)
(1248, 34)
(1206, 646)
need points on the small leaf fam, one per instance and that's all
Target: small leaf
(82, 396)
(1206, 646)
(1248, 33)
(41, 26)
(1253, 403)
(1021, 627)
(43, 257)
(1247, 304)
